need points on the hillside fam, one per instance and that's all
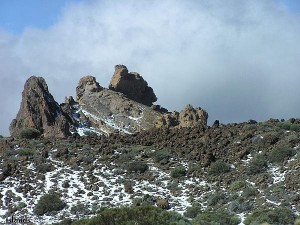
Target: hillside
(237, 167)
(112, 148)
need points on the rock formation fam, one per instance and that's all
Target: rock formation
(109, 111)
(132, 85)
(87, 84)
(40, 111)
(188, 117)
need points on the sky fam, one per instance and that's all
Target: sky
(236, 59)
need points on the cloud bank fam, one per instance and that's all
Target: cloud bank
(239, 60)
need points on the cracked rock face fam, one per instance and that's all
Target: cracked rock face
(87, 84)
(40, 111)
(132, 85)
(188, 117)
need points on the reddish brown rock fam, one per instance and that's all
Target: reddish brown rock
(40, 111)
(188, 117)
(132, 85)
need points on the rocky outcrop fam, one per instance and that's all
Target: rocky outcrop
(132, 85)
(188, 117)
(109, 111)
(87, 84)
(40, 111)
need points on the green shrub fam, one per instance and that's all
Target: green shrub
(137, 167)
(147, 200)
(217, 198)
(240, 205)
(29, 133)
(193, 211)
(1, 136)
(26, 152)
(257, 164)
(237, 185)
(136, 215)
(249, 192)
(278, 216)
(280, 153)
(178, 171)
(49, 203)
(295, 127)
(219, 217)
(80, 209)
(162, 156)
(284, 125)
(219, 167)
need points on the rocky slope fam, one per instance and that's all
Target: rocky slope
(236, 167)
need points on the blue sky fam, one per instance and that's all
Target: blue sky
(237, 59)
(15, 15)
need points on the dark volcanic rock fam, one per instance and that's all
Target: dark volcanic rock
(132, 85)
(40, 111)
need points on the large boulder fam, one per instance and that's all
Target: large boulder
(39, 111)
(188, 117)
(132, 85)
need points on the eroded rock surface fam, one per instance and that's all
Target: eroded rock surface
(188, 117)
(109, 111)
(40, 111)
(132, 85)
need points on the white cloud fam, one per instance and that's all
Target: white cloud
(237, 59)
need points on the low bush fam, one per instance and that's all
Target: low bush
(178, 171)
(162, 156)
(257, 164)
(79, 209)
(219, 167)
(237, 185)
(295, 127)
(249, 192)
(25, 152)
(139, 215)
(278, 216)
(193, 211)
(217, 198)
(49, 203)
(280, 153)
(216, 218)
(29, 133)
(137, 167)
(147, 200)
(240, 205)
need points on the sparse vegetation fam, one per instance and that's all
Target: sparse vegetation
(178, 172)
(257, 164)
(49, 203)
(278, 216)
(29, 133)
(141, 215)
(219, 167)
(216, 217)
(280, 153)
(137, 167)
(237, 185)
(162, 156)
(192, 212)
